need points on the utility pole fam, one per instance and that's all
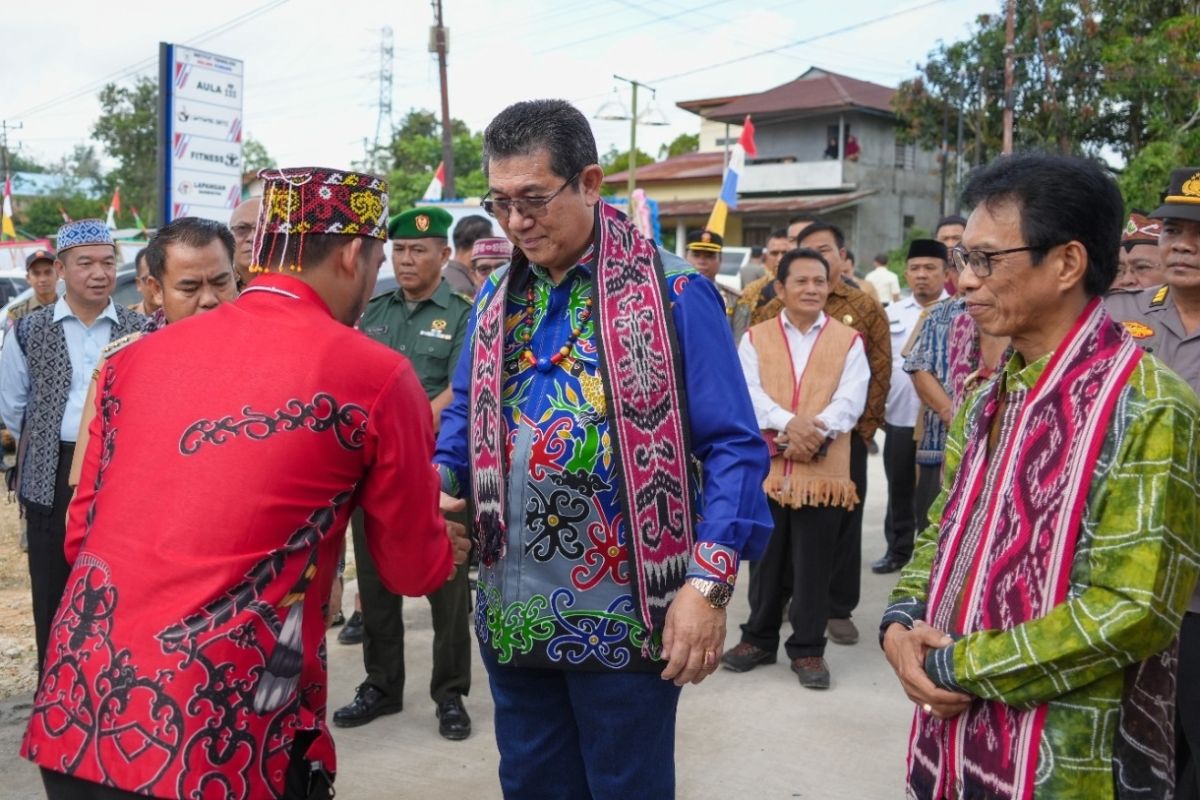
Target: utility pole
(945, 154)
(439, 43)
(1009, 46)
(5, 127)
(958, 150)
(383, 122)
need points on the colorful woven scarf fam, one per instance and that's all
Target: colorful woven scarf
(1007, 543)
(642, 376)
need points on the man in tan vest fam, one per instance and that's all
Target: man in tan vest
(808, 375)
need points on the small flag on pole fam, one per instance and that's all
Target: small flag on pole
(114, 209)
(737, 165)
(434, 192)
(66, 217)
(137, 219)
(7, 230)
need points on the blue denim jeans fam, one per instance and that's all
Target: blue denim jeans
(583, 735)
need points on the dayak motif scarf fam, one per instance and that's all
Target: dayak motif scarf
(640, 368)
(1007, 543)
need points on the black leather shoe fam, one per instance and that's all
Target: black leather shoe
(888, 563)
(369, 703)
(454, 723)
(744, 657)
(352, 631)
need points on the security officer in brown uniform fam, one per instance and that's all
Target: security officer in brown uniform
(39, 271)
(426, 321)
(1165, 321)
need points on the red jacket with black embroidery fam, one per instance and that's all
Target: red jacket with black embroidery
(226, 455)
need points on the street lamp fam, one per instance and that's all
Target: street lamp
(614, 109)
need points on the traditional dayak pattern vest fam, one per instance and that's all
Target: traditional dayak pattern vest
(642, 377)
(1007, 544)
(825, 482)
(44, 345)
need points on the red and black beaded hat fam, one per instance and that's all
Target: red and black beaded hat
(302, 201)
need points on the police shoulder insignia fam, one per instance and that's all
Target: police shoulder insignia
(1160, 296)
(119, 344)
(1138, 330)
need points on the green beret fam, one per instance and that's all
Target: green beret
(422, 222)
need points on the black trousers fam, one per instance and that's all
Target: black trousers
(929, 483)
(900, 466)
(48, 567)
(846, 583)
(1187, 711)
(798, 562)
(383, 629)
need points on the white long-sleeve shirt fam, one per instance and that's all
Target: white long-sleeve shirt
(849, 400)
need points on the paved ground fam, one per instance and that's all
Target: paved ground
(757, 735)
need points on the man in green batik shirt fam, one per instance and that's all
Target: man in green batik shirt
(425, 320)
(1062, 686)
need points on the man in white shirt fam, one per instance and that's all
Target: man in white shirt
(884, 280)
(926, 276)
(807, 375)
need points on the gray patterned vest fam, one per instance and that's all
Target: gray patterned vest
(44, 344)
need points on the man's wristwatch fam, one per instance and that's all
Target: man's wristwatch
(717, 593)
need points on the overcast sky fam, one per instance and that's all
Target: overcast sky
(311, 66)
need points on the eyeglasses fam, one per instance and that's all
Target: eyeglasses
(242, 230)
(484, 269)
(534, 207)
(980, 261)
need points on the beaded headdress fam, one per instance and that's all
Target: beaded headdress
(301, 201)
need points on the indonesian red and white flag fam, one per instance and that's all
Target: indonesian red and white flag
(434, 192)
(114, 209)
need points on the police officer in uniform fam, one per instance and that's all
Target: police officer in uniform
(425, 320)
(704, 253)
(1165, 321)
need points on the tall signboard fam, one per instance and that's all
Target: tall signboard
(200, 133)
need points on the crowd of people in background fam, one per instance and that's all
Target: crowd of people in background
(610, 432)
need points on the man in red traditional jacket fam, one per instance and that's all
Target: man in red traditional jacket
(187, 656)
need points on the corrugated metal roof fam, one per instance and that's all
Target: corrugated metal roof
(816, 202)
(815, 90)
(689, 166)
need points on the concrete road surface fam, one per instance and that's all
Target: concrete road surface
(757, 735)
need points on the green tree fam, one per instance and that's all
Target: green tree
(255, 155)
(683, 143)
(17, 162)
(1146, 176)
(416, 150)
(127, 129)
(1089, 76)
(41, 216)
(618, 160)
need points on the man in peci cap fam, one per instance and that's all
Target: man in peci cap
(1139, 264)
(47, 359)
(487, 256)
(425, 320)
(215, 654)
(1165, 321)
(39, 271)
(704, 253)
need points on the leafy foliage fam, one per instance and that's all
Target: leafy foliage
(1091, 77)
(683, 143)
(127, 128)
(255, 155)
(416, 150)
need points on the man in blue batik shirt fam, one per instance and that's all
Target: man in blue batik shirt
(603, 429)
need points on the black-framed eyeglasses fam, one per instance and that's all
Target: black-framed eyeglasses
(534, 207)
(980, 261)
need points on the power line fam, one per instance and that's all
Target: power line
(653, 21)
(145, 64)
(826, 35)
